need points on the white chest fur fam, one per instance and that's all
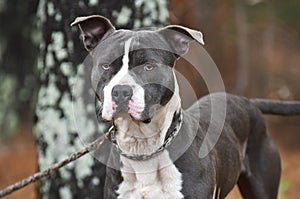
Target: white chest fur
(156, 178)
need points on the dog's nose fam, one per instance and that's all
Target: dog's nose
(121, 93)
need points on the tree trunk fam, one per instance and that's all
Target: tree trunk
(242, 47)
(61, 55)
(17, 63)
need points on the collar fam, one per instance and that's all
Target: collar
(170, 136)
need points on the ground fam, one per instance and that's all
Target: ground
(18, 158)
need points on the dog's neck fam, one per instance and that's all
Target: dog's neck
(156, 177)
(138, 138)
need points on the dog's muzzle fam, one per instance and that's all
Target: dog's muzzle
(121, 95)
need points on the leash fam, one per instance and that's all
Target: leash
(96, 145)
(52, 169)
(110, 135)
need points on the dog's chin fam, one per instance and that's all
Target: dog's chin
(128, 116)
(122, 115)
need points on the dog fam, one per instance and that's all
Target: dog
(156, 142)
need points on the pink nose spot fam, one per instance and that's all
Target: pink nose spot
(130, 104)
(131, 109)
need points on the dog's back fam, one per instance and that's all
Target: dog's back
(243, 151)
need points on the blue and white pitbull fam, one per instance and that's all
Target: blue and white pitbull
(157, 141)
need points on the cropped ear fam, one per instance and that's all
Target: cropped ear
(179, 37)
(93, 28)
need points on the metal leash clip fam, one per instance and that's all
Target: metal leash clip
(110, 133)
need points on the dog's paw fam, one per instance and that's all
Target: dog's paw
(152, 192)
(125, 189)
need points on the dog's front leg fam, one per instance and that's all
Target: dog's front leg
(128, 189)
(170, 177)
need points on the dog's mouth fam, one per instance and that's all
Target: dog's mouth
(127, 115)
(127, 110)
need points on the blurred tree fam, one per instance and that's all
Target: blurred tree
(17, 62)
(61, 55)
(288, 12)
(236, 34)
(242, 46)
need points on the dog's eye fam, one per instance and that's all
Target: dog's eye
(148, 67)
(105, 66)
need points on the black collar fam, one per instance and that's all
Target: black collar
(170, 136)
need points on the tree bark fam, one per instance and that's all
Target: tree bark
(17, 63)
(61, 55)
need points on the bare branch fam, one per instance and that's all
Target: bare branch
(37, 176)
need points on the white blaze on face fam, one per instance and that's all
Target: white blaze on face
(123, 78)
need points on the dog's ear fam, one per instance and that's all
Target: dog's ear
(179, 37)
(93, 28)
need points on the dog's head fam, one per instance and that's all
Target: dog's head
(133, 70)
